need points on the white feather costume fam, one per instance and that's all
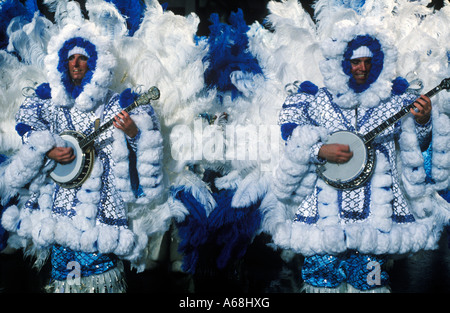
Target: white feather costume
(320, 226)
(222, 150)
(108, 215)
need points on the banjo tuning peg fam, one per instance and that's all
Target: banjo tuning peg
(154, 93)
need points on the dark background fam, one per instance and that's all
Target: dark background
(254, 10)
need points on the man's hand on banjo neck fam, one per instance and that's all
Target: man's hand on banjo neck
(422, 112)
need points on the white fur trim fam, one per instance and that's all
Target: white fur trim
(108, 239)
(440, 170)
(10, 218)
(126, 242)
(149, 160)
(295, 166)
(25, 166)
(364, 237)
(88, 240)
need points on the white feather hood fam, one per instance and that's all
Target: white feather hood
(94, 86)
(348, 36)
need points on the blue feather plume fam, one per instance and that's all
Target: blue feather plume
(228, 52)
(227, 231)
(133, 10)
(10, 9)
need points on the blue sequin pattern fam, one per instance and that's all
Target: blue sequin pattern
(364, 272)
(44, 115)
(67, 262)
(320, 110)
(111, 209)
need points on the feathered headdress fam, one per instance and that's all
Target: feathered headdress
(335, 69)
(228, 53)
(101, 62)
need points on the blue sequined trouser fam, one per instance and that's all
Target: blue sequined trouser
(364, 272)
(68, 263)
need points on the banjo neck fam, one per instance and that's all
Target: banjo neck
(402, 113)
(151, 94)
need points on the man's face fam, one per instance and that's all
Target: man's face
(360, 69)
(78, 67)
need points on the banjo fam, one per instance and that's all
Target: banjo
(75, 173)
(359, 168)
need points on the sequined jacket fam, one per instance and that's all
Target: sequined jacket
(386, 215)
(91, 217)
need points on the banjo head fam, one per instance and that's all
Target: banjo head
(344, 176)
(67, 175)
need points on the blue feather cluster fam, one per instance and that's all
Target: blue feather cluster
(127, 97)
(22, 129)
(10, 9)
(308, 87)
(399, 86)
(63, 67)
(43, 91)
(287, 129)
(223, 235)
(228, 52)
(133, 10)
(377, 61)
(32, 7)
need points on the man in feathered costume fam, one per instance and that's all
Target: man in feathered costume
(85, 229)
(217, 217)
(346, 235)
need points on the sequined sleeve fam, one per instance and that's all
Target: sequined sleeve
(423, 131)
(294, 113)
(315, 158)
(32, 116)
(424, 134)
